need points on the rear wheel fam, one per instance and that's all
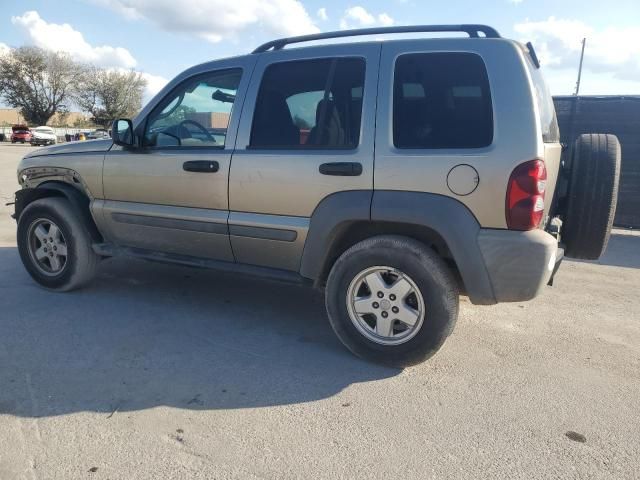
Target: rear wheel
(391, 300)
(55, 245)
(592, 196)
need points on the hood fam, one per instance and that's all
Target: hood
(73, 147)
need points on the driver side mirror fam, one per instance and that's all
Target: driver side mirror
(122, 132)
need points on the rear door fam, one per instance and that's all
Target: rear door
(306, 132)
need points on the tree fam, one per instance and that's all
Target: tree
(37, 82)
(109, 94)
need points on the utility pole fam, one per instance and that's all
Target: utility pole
(584, 41)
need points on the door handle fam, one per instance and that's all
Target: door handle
(210, 166)
(342, 169)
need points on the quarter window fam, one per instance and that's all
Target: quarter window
(441, 100)
(196, 114)
(309, 104)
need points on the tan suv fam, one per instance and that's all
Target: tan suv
(395, 175)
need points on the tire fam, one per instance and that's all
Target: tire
(79, 266)
(592, 196)
(436, 289)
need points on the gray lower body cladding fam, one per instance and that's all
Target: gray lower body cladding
(495, 265)
(519, 264)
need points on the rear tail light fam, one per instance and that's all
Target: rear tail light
(525, 195)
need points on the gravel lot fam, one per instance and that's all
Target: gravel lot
(165, 372)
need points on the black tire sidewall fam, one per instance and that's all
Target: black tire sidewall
(436, 285)
(72, 235)
(592, 195)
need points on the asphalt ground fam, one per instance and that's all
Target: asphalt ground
(158, 371)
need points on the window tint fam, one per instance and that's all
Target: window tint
(441, 100)
(309, 104)
(196, 114)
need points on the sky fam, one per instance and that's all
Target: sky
(160, 38)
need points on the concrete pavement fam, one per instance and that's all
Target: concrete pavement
(159, 371)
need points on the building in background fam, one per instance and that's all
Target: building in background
(11, 116)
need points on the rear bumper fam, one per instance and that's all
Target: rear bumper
(519, 264)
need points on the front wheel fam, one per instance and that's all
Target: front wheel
(392, 300)
(55, 245)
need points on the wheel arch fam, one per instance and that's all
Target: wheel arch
(442, 223)
(80, 202)
(355, 232)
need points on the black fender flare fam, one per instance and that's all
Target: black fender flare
(453, 221)
(333, 215)
(446, 216)
(80, 203)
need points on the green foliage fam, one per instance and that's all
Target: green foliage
(40, 84)
(37, 82)
(109, 94)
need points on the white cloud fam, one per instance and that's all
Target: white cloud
(215, 20)
(322, 14)
(515, 2)
(155, 83)
(359, 17)
(385, 20)
(615, 51)
(4, 49)
(64, 38)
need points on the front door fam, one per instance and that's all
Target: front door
(306, 132)
(171, 194)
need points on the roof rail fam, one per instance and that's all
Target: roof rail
(471, 30)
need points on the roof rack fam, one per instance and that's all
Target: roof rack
(472, 30)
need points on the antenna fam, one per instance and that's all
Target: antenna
(584, 41)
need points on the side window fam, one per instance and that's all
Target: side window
(441, 100)
(196, 113)
(309, 104)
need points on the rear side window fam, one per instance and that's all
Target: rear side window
(309, 104)
(548, 120)
(441, 100)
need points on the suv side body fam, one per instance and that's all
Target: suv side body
(320, 160)
(284, 214)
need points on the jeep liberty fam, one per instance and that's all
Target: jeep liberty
(396, 175)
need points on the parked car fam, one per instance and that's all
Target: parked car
(43, 136)
(98, 134)
(464, 192)
(20, 133)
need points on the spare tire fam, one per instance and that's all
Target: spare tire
(592, 195)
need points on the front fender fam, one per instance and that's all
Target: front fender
(79, 202)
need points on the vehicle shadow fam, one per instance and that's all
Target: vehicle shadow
(623, 250)
(145, 335)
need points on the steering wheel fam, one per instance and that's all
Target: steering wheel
(197, 125)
